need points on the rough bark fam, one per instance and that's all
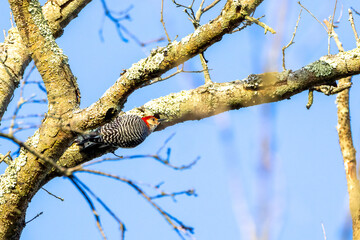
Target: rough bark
(14, 57)
(212, 99)
(22, 178)
(27, 173)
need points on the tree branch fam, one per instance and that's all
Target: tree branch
(209, 100)
(160, 61)
(50, 140)
(14, 56)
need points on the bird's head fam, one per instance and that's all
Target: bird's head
(152, 122)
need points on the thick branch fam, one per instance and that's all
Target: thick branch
(162, 60)
(208, 100)
(349, 155)
(14, 57)
(19, 184)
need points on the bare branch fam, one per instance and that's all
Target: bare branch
(37, 215)
(351, 19)
(160, 61)
(51, 194)
(314, 17)
(261, 24)
(15, 56)
(74, 180)
(33, 152)
(6, 158)
(178, 226)
(291, 41)
(163, 22)
(112, 214)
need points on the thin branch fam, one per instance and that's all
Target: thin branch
(33, 152)
(51, 194)
(358, 13)
(261, 24)
(73, 179)
(340, 15)
(331, 28)
(117, 219)
(205, 69)
(6, 158)
(37, 215)
(157, 157)
(202, 10)
(190, 192)
(323, 229)
(314, 17)
(178, 226)
(291, 41)
(163, 22)
(211, 5)
(351, 19)
(246, 24)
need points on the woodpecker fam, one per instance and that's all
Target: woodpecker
(125, 131)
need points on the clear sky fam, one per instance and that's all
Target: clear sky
(301, 185)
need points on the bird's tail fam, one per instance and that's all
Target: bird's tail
(89, 141)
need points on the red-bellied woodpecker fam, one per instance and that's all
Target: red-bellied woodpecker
(125, 131)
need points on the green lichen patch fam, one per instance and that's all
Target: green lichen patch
(37, 16)
(169, 105)
(320, 68)
(145, 66)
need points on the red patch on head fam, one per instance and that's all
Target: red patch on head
(145, 119)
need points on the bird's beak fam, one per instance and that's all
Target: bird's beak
(162, 120)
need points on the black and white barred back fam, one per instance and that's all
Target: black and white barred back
(125, 131)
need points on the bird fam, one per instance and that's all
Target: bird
(125, 131)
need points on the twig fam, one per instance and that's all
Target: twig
(51, 194)
(195, 19)
(334, 35)
(202, 10)
(247, 23)
(121, 224)
(358, 13)
(313, 17)
(331, 29)
(340, 15)
(323, 229)
(25, 116)
(157, 157)
(4, 158)
(162, 20)
(261, 24)
(33, 152)
(199, 12)
(190, 192)
(210, 6)
(205, 69)
(178, 226)
(291, 41)
(331, 90)
(11, 20)
(351, 19)
(21, 100)
(37, 215)
(91, 205)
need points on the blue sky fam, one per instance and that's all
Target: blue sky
(304, 185)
